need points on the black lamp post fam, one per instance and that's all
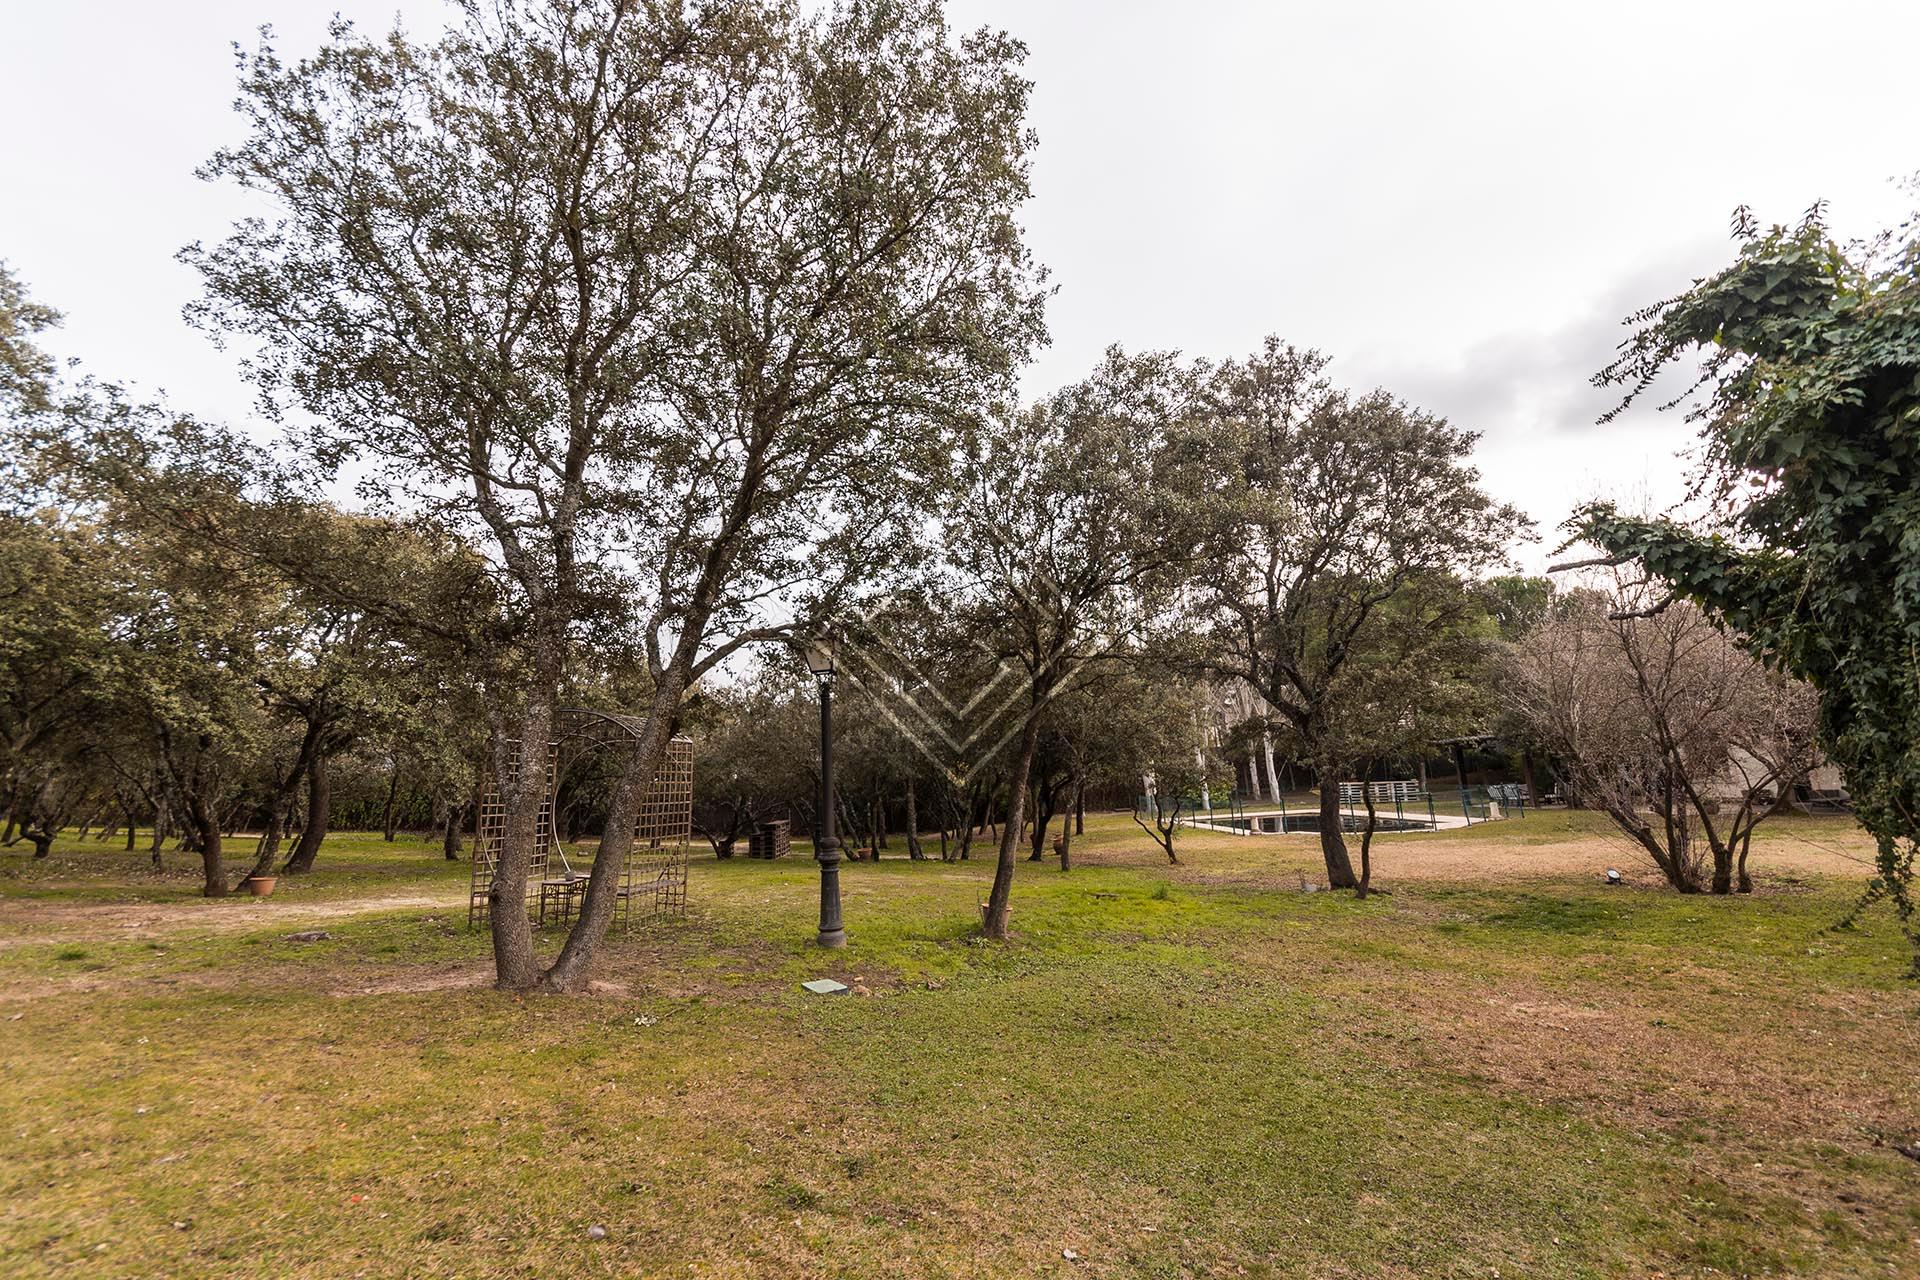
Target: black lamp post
(826, 845)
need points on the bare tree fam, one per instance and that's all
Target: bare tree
(1667, 725)
(1163, 811)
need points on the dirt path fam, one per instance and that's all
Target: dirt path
(1286, 860)
(30, 922)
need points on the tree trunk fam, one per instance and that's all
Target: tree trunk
(569, 971)
(995, 923)
(393, 793)
(269, 848)
(206, 828)
(844, 826)
(523, 791)
(1165, 825)
(914, 850)
(1043, 797)
(213, 865)
(1671, 858)
(964, 836)
(1333, 845)
(279, 806)
(450, 833)
(159, 831)
(319, 811)
(1722, 868)
(1067, 829)
(1366, 835)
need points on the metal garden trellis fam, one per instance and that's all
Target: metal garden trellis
(654, 880)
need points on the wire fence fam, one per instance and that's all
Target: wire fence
(1396, 808)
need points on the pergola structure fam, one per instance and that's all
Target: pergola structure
(653, 882)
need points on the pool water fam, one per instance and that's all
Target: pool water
(1290, 823)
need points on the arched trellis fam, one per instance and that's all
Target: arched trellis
(654, 880)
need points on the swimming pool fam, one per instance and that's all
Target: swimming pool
(1274, 824)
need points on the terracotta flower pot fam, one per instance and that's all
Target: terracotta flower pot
(261, 886)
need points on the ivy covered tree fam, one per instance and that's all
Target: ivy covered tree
(1810, 425)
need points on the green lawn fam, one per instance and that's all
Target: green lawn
(1502, 1068)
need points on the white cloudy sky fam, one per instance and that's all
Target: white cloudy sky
(1456, 200)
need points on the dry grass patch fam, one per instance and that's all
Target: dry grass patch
(1171, 1072)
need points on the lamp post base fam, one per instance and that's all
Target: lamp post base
(832, 941)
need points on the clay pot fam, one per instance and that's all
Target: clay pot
(261, 886)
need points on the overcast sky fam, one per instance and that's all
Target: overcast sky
(1458, 201)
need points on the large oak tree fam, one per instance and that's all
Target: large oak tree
(669, 304)
(1331, 508)
(1063, 522)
